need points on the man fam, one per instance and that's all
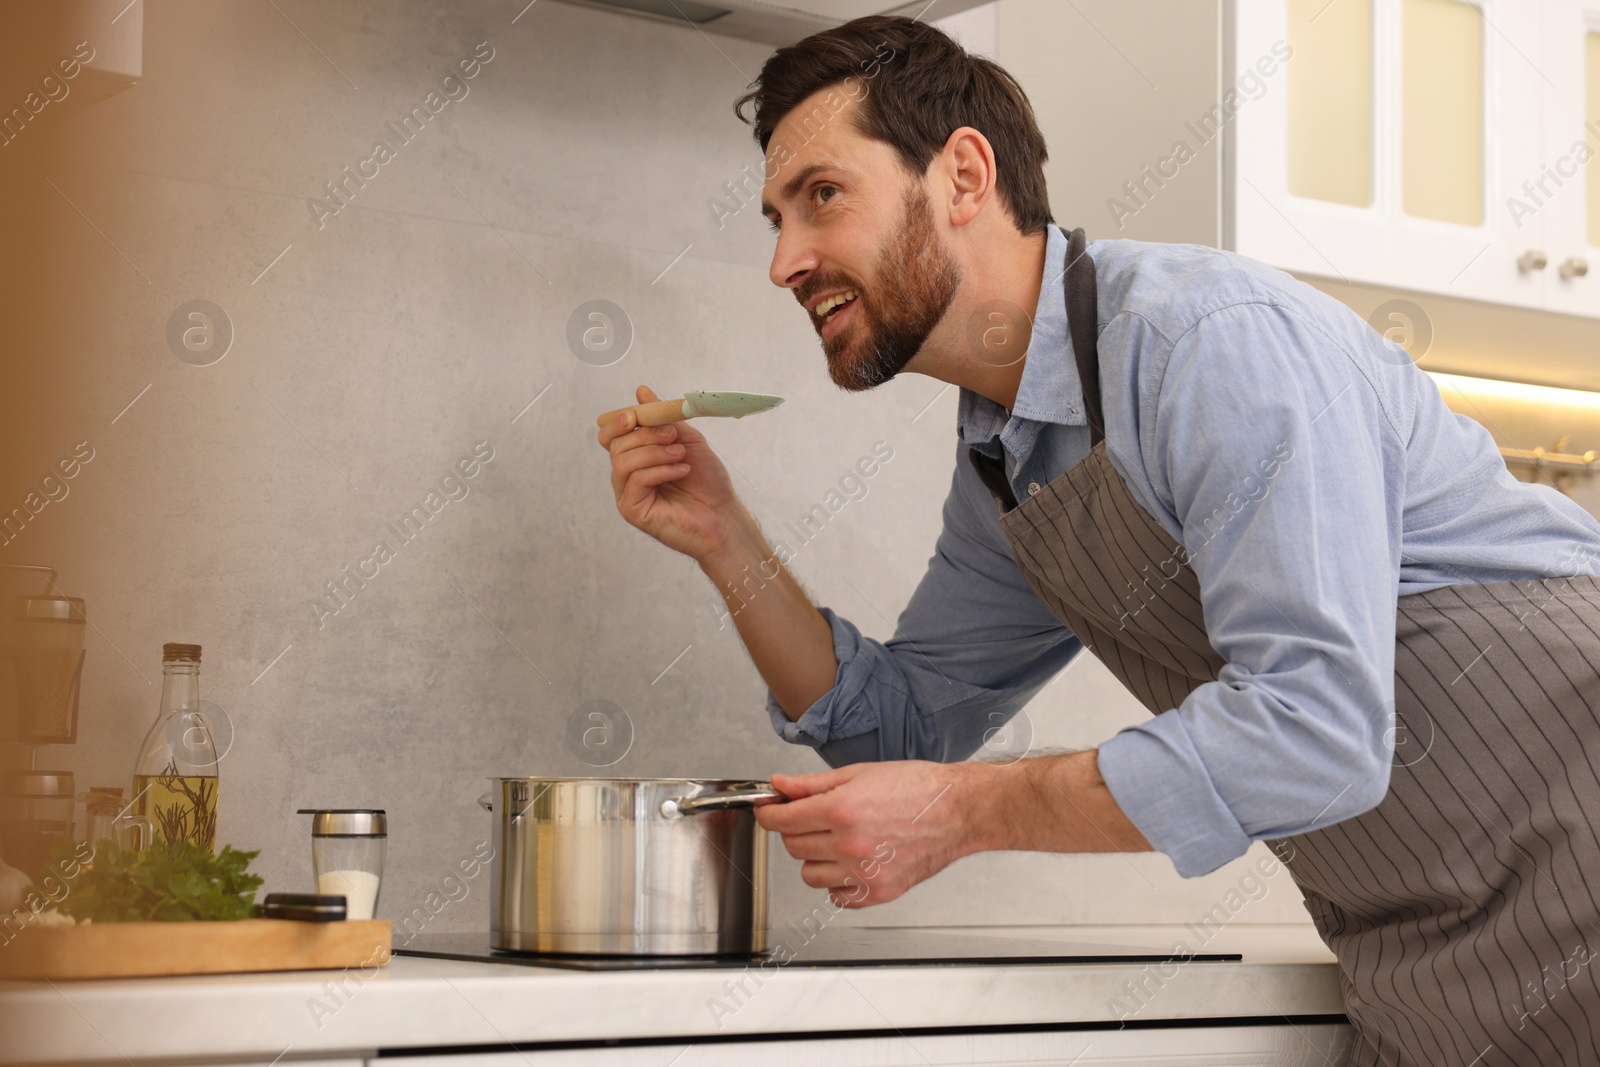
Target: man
(1228, 488)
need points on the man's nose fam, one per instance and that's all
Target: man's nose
(792, 261)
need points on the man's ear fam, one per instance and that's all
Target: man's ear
(967, 166)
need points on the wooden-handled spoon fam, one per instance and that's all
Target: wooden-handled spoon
(696, 405)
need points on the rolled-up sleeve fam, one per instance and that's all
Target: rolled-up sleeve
(1268, 442)
(970, 649)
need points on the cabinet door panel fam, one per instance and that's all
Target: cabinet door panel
(1442, 105)
(1329, 96)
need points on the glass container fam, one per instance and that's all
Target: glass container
(175, 775)
(36, 808)
(102, 805)
(347, 852)
(45, 654)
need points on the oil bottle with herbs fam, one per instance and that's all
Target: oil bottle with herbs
(175, 775)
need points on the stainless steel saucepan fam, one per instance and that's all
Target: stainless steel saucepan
(628, 866)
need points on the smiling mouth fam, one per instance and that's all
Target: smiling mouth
(836, 321)
(834, 304)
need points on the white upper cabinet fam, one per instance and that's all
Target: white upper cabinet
(1565, 188)
(777, 22)
(1434, 147)
(1389, 157)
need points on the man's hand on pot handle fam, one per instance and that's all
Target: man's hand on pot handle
(867, 832)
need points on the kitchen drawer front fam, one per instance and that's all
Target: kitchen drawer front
(1319, 1044)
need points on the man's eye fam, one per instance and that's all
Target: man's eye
(772, 224)
(824, 188)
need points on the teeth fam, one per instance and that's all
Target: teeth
(825, 308)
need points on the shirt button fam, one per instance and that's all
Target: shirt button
(1033, 488)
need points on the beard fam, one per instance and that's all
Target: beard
(917, 279)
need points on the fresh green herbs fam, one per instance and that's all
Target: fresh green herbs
(176, 882)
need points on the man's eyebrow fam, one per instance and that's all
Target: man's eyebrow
(793, 185)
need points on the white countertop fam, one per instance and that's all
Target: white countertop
(426, 1003)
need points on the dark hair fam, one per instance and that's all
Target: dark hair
(922, 87)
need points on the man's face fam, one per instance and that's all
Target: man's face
(853, 223)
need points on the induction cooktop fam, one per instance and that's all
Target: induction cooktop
(871, 946)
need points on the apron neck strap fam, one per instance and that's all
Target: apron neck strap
(1079, 286)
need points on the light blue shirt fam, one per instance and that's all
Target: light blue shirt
(1211, 366)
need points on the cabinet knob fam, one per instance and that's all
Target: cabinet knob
(1575, 267)
(1532, 260)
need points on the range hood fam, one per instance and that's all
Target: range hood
(777, 23)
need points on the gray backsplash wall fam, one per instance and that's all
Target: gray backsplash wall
(377, 347)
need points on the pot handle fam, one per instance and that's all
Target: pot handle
(519, 795)
(748, 796)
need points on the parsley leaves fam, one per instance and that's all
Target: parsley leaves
(176, 882)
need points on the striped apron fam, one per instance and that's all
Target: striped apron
(1462, 909)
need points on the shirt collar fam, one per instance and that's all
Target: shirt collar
(1050, 390)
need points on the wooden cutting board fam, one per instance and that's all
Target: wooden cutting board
(150, 949)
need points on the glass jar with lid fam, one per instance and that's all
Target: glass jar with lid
(347, 853)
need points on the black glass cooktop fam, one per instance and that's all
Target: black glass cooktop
(853, 947)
